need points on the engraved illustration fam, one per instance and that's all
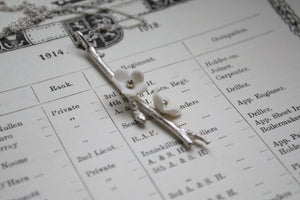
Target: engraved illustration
(100, 29)
(12, 42)
(65, 2)
(160, 4)
(287, 15)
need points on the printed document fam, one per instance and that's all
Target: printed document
(232, 66)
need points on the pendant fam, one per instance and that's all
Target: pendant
(131, 85)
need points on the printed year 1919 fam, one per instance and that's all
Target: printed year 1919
(148, 27)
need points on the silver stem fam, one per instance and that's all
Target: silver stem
(137, 114)
(186, 136)
(178, 132)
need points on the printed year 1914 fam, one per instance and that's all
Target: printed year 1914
(52, 54)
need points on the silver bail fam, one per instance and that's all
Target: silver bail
(81, 40)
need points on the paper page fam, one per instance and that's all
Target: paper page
(232, 66)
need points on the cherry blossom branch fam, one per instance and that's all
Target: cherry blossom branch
(133, 84)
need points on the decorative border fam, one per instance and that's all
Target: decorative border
(105, 39)
(287, 15)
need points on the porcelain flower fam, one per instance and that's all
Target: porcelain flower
(130, 84)
(164, 105)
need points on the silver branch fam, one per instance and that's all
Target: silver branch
(186, 136)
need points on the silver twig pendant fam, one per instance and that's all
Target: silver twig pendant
(132, 85)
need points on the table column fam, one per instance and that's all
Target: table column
(33, 163)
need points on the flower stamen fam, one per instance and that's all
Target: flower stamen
(130, 84)
(164, 102)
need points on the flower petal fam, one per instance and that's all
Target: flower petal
(119, 85)
(128, 92)
(158, 101)
(121, 75)
(140, 88)
(121, 78)
(164, 106)
(137, 76)
(172, 110)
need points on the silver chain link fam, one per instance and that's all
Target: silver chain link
(36, 14)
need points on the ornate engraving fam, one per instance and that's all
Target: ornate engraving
(65, 2)
(161, 4)
(91, 25)
(287, 15)
(13, 42)
(100, 29)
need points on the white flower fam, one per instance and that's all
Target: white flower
(164, 106)
(130, 84)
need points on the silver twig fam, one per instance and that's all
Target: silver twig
(186, 136)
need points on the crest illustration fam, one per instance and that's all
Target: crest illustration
(161, 4)
(98, 28)
(12, 42)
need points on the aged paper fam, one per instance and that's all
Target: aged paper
(232, 66)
